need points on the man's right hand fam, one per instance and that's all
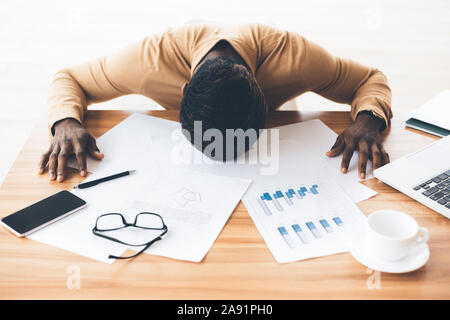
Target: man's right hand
(70, 138)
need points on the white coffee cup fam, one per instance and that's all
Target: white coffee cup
(391, 235)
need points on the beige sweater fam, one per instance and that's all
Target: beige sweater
(284, 63)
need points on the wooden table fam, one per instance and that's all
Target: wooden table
(238, 266)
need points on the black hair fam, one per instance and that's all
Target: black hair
(222, 94)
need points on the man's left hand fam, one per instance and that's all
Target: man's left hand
(363, 136)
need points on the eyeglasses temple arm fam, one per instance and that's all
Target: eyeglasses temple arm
(135, 255)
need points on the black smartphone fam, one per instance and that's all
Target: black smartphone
(42, 213)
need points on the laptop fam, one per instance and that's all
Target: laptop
(423, 175)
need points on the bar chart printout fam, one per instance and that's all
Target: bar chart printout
(268, 199)
(286, 237)
(304, 221)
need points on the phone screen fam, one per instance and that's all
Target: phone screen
(42, 212)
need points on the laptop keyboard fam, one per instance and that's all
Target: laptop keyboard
(437, 189)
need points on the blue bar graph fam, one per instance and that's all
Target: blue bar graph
(312, 227)
(305, 220)
(276, 203)
(264, 206)
(325, 225)
(290, 197)
(338, 221)
(293, 193)
(286, 237)
(300, 234)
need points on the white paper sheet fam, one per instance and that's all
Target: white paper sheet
(314, 139)
(194, 223)
(122, 141)
(150, 145)
(303, 143)
(195, 207)
(298, 222)
(74, 233)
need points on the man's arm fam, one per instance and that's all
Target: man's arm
(72, 90)
(102, 79)
(365, 89)
(345, 81)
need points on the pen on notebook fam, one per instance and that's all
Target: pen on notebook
(108, 178)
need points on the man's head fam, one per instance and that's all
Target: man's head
(222, 94)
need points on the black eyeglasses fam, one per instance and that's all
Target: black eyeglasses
(116, 221)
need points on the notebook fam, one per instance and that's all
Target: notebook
(434, 116)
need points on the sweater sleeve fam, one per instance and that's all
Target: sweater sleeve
(102, 79)
(346, 81)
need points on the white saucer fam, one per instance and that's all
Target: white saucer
(415, 260)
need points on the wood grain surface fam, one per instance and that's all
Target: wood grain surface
(238, 266)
